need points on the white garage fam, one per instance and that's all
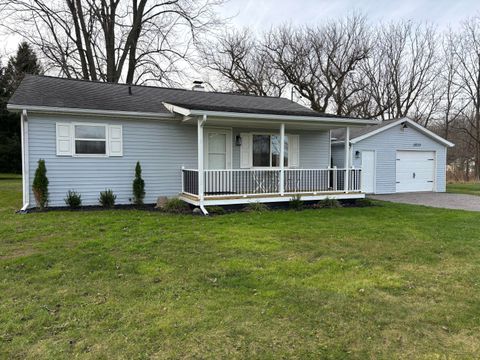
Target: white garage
(395, 156)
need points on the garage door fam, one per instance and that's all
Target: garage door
(415, 171)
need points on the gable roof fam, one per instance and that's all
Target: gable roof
(41, 92)
(359, 134)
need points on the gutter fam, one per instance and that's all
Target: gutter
(225, 114)
(80, 111)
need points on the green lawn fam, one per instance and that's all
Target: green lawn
(391, 281)
(464, 188)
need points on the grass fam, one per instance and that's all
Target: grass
(390, 281)
(464, 188)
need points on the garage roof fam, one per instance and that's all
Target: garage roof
(359, 134)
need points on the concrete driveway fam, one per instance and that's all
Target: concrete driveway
(439, 200)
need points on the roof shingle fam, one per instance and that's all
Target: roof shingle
(48, 91)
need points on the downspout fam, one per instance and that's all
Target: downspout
(25, 162)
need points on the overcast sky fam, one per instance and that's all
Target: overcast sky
(262, 14)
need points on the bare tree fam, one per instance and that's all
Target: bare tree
(466, 52)
(238, 59)
(108, 40)
(319, 62)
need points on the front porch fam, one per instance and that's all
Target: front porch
(265, 157)
(242, 186)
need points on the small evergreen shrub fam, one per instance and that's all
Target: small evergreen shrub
(176, 206)
(138, 186)
(73, 199)
(364, 202)
(107, 198)
(40, 185)
(215, 210)
(257, 207)
(296, 203)
(328, 203)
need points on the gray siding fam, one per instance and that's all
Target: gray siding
(386, 144)
(314, 147)
(162, 147)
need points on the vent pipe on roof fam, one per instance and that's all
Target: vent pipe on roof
(129, 90)
(198, 86)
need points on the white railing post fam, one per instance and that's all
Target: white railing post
(282, 159)
(347, 157)
(335, 184)
(201, 177)
(183, 179)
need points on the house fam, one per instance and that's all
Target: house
(208, 148)
(395, 156)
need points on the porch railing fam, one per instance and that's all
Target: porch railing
(267, 181)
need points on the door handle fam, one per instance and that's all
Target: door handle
(414, 175)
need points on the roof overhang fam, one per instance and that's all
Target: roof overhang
(191, 114)
(411, 123)
(95, 112)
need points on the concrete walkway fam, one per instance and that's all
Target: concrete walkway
(439, 200)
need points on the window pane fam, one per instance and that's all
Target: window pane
(276, 151)
(89, 147)
(89, 132)
(217, 143)
(217, 161)
(261, 150)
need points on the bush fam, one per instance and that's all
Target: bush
(257, 207)
(328, 203)
(73, 199)
(364, 203)
(107, 198)
(216, 210)
(176, 206)
(296, 203)
(138, 186)
(40, 185)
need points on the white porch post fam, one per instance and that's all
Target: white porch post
(282, 159)
(201, 177)
(347, 156)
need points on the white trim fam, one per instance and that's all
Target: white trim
(419, 127)
(200, 157)
(226, 114)
(270, 199)
(282, 158)
(347, 158)
(115, 113)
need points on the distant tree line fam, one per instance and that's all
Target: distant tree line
(351, 68)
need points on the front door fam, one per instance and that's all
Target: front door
(368, 171)
(217, 148)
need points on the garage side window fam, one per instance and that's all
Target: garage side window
(90, 140)
(85, 139)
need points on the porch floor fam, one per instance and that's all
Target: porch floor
(267, 198)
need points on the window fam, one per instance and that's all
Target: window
(90, 140)
(266, 151)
